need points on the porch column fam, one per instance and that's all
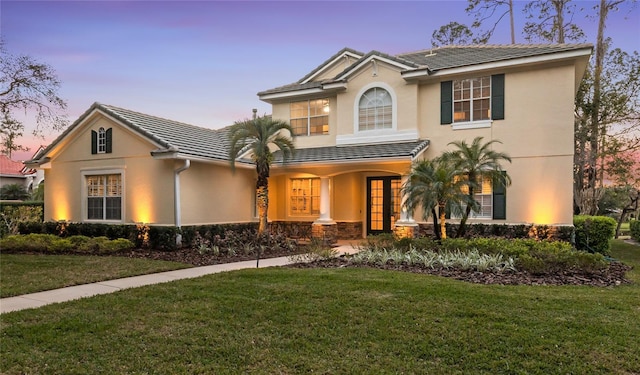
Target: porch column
(406, 226)
(325, 228)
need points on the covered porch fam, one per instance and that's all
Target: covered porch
(347, 192)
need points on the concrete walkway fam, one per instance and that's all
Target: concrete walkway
(35, 300)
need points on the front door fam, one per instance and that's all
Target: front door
(383, 203)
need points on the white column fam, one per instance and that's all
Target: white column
(325, 202)
(406, 217)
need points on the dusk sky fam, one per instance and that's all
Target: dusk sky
(202, 62)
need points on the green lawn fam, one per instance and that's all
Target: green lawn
(332, 321)
(21, 274)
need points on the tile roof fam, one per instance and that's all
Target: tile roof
(168, 134)
(190, 140)
(10, 167)
(441, 58)
(459, 56)
(355, 153)
(173, 135)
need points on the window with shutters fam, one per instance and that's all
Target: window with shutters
(491, 198)
(471, 99)
(473, 102)
(101, 141)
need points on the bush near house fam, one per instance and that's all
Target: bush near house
(52, 244)
(594, 232)
(634, 227)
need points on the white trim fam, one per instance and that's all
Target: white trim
(331, 63)
(288, 94)
(83, 195)
(471, 125)
(373, 58)
(356, 109)
(498, 64)
(377, 136)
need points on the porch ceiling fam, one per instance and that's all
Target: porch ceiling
(335, 154)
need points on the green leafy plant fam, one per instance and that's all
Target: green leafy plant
(594, 232)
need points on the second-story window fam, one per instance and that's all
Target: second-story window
(375, 110)
(310, 117)
(472, 99)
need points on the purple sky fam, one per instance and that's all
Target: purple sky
(202, 62)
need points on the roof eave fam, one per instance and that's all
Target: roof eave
(546, 58)
(326, 88)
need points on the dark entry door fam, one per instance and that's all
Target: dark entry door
(383, 203)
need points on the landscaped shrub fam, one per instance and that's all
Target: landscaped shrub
(163, 238)
(593, 233)
(49, 243)
(244, 240)
(634, 227)
(12, 214)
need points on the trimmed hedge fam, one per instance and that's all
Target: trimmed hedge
(156, 237)
(634, 227)
(594, 232)
(49, 243)
(539, 232)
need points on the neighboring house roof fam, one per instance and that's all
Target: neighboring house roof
(408, 150)
(11, 168)
(436, 59)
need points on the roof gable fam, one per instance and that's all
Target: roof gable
(170, 136)
(435, 61)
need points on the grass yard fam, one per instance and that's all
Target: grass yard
(21, 274)
(332, 321)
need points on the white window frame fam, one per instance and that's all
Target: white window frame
(312, 195)
(326, 108)
(102, 141)
(472, 123)
(482, 197)
(394, 110)
(85, 195)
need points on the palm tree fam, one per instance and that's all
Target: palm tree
(431, 184)
(474, 162)
(257, 136)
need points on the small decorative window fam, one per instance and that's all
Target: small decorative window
(310, 117)
(104, 197)
(101, 141)
(304, 197)
(375, 110)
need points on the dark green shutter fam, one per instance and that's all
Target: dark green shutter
(499, 198)
(94, 142)
(446, 102)
(497, 97)
(108, 141)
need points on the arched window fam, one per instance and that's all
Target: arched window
(375, 110)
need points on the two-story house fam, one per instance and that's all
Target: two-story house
(360, 120)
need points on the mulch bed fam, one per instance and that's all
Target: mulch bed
(614, 275)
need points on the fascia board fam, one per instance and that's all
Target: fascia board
(499, 64)
(280, 165)
(331, 63)
(289, 94)
(367, 60)
(164, 155)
